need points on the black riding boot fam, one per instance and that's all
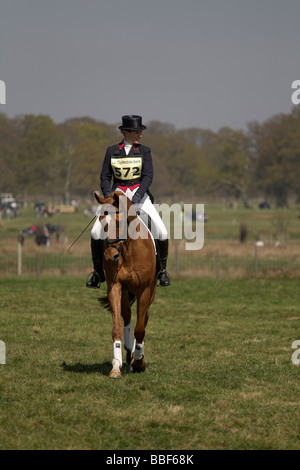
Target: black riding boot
(163, 275)
(97, 276)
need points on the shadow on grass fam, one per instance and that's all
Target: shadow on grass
(103, 368)
(80, 368)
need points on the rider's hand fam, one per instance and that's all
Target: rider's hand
(136, 199)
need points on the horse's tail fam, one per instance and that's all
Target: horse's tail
(132, 298)
(105, 303)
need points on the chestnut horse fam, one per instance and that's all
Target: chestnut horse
(129, 263)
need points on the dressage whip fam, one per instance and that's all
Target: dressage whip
(81, 233)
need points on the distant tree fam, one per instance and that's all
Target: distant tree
(293, 152)
(234, 171)
(37, 154)
(69, 141)
(160, 128)
(224, 168)
(39, 157)
(161, 152)
(83, 148)
(9, 142)
(277, 144)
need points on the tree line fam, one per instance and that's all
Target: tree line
(41, 157)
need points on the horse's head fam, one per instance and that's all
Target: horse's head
(114, 219)
(112, 199)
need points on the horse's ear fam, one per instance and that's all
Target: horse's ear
(116, 197)
(99, 198)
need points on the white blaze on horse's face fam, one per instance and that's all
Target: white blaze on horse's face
(107, 218)
(113, 230)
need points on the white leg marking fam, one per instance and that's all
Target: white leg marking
(139, 351)
(117, 354)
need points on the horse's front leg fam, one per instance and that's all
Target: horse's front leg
(128, 330)
(114, 298)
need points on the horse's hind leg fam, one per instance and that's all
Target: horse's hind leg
(138, 364)
(128, 330)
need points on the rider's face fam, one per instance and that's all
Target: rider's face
(133, 137)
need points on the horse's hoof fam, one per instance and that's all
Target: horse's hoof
(137, 366)
(115, 374)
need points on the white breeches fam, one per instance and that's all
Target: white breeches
(147, 206)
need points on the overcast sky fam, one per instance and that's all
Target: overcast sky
(192, 63)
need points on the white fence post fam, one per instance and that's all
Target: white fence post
(19, 259)
(255, 260)
(217, 265)
(2, 352)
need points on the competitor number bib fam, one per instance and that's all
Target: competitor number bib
(127, 168)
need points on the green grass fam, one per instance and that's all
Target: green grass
(219, 370)
(224, 223)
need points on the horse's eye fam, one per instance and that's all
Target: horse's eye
(105, 213)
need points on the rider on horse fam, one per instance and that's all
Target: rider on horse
(129, 165)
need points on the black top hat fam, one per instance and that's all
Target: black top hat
(132, 123)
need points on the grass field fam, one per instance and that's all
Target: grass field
(219, 368)
(222, 255)
(219, 352)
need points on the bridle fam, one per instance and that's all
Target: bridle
(121, 241)
(112, 243)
